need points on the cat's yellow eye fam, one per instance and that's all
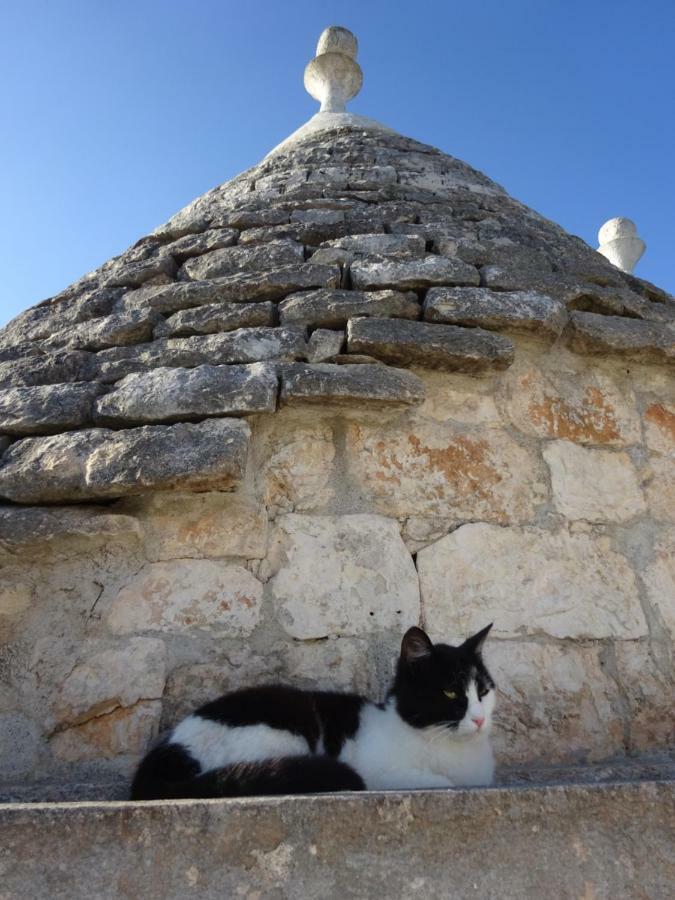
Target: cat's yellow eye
(451, 695)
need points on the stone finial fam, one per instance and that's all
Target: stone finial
(333, 77)
(620, 244)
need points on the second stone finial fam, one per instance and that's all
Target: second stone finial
(620, 244)
(333, 77)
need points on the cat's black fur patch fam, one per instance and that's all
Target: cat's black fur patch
(164, 767)
(309, 714)
(288, 775)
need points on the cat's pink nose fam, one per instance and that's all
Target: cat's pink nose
(478, 721)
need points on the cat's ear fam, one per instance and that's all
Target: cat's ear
(476, 641)
(415, 645)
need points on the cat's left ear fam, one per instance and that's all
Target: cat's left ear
(476, 641)
(415, 646)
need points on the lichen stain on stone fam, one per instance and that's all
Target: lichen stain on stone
(663, 419)
(593, 420)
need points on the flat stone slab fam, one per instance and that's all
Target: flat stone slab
(615, 840)
(401, 246)
(24, 526)
(196, 244)
(47, 368)
(115, 330)
(644, 341)
(508, 310)
(47, 409)
(98, 463)
(244, 345)
(231, 260)
(216, 317)
(347, 385)
(180, 395)
(413, 274)
(333, 309)
(430, 346)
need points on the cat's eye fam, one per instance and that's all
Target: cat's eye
(483, 693)
(451, 695)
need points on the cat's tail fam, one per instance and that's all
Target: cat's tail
(286, 775)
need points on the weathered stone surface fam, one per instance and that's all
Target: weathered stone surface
(21, 526)
(461, 399)
(584, 406)
(333, 309)
(256, 218)
(349, 385)
(430, 346)
(595, 485)
(240, 288)
(174, 395)
(48, 368)
(200, 526)
(556, 702)
(635, 338)
(180, 596)
(122, 732)
(136, 273)
(116, 330)
(648, 691)
(324, 344)
(659, 421)
(19, 745)
(232, 260)
(102, 463)
(412, 274)
(5, 441)
(196, 244)
(659, 579)
(112, 679)
(528, 582)
(296, 467)
(245, 345)
(215, 317)
(432, 470)
(47, 409)
(348, 575)
(514, 310)
(401, 246)
(661, 488)
(610, 840)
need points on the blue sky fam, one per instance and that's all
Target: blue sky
(117, 114)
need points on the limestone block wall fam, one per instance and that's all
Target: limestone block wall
(541, 498)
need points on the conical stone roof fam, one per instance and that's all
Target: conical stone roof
(322, 275)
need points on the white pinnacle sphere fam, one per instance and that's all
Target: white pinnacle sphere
(620, 244)
(333, 77)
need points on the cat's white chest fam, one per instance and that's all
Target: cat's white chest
(391, 755)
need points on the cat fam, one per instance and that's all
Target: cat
(432, 731)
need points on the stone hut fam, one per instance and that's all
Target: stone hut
(355, 388)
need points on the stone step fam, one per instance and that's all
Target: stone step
(605, 840)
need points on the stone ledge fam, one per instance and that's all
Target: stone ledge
(612, 840)
(98, 463)
(634, 338)
(346, 385)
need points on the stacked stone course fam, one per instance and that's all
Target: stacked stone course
(355, 388)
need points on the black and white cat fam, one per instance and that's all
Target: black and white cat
(431, 732)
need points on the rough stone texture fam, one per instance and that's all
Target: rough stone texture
(324, 345)
(112, 679)
(609, 840)
(596, 485)
(233, 260)
(333, 309)
(410, 275)
(182, 596)
(660, 490)
(47, 368)
(103, 463)
(244, 345)
(571, 403)
(23, 526)
(401, 246)
(528, 582)
(349, 385)
(644, 341)
(215, 317)
(173, 395)
(296, 468)
(659, 580)
(47, 409)
(196, 244)
(648, 691)
(426, 470)
(535, 681)
(117, 330)
(515, 310)
(209, 525)
(659, 419)
(135, 273)
(368, 582)
(123, 732)
(431, 346)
